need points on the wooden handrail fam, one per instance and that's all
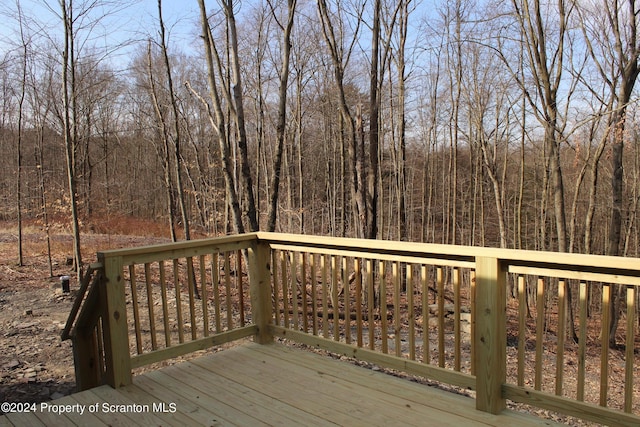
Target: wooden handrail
(85, 283)
(293, 288)
(606, 266)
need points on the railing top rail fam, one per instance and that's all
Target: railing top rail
(384, 247)
(179, 249)
(85, 283)
(601, 264)
(621, 266)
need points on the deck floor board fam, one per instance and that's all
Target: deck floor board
(256, 385)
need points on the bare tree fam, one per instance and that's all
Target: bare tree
(19, 137)
(69, 105)
(404, 11)
(545, 60)
(177, 140)
(616, 58)
(163, 149)
(286, 28)
(217, 117)
(340, 56)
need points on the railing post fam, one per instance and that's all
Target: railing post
(260, 288)
(490, 335)
(115, 328)
(86, 355)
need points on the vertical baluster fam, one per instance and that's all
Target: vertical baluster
(294, 290)
(539, 332)
(456, 318)
(276, 290)
(357, 267)
(397, 316)
(562, 322)
(383, 308)
(411, 312)
(325, 297)
(440, 285)
(165, 305)
(295, 287)
(205, 296)
(629, 351)
(424, 279)
(152, 317)
(522, 328)
(604, 345)
(285, 288)
(334, 298)
(99, 340)
(346, 292)
(134, 304)
(239, 285)
(371, 324)
(176, 281)
(192, 302)
(227, 287)
(303, 291)
(472, 304)
(582, 338)
(314, 291)
(215, 282)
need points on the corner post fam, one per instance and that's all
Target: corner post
(260, 288)
(490, 335)
(116, 333)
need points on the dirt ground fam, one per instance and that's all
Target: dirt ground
(35, 364)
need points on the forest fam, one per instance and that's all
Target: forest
(506, 123)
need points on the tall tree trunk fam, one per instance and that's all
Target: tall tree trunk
(374, 138)
(217, 119)
(43, 196)
(402, 121)
(351, 133)
(239, 116)
(282, 113)
(591, 207)
(164, 150)
(177, 156)
(69, 99)
(627, 54)
(23, 85)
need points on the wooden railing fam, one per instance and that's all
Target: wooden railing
(85, 327)
(490, 320)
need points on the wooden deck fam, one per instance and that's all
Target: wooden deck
(255, 385)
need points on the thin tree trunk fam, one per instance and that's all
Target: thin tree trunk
(218, 121)
(165, 150)
(351, 134)
(43, 197)
(374, 138)
(402, 120)
(70, 133)
(177, 156)
(282, 113)
(19, 141)
(238, 111)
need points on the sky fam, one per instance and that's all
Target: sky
(132, 20)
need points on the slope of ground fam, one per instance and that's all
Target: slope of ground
(35, 365)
